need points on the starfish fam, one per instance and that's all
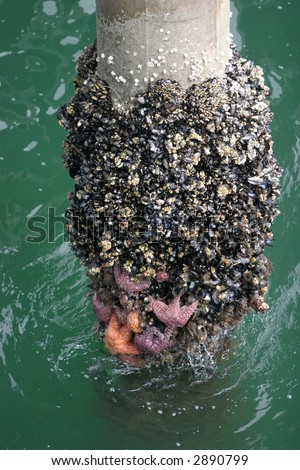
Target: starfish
(118, 338)
(153, 341)
(133, 321)
(121, 314)
(162, 276)
(129, 285)
(172, 315)
(103, 312)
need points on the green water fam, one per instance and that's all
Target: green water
(59, 389)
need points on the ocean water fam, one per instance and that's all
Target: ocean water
(59, 388)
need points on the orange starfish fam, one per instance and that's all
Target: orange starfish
(133, 321)
(118, 338)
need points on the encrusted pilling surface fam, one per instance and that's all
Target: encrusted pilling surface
(173, 206)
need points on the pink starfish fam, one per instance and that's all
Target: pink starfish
(128, 285)
(172, 315)
(162, 276)
(103, 312)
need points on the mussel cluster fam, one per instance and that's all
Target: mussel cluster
(177, 193)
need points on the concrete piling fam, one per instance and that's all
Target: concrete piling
(141, 41)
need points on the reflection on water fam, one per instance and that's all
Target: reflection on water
(263, 406)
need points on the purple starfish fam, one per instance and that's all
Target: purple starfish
(153, 341)
(172, 315)
(103, 312)
(128, 285)
(121, 314)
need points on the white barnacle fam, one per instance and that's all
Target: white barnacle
(223, 191)
(135, 181)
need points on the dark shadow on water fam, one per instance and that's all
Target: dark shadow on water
(159, 407)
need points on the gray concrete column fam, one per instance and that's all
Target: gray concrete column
(141, 41)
